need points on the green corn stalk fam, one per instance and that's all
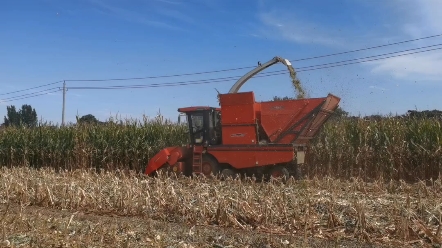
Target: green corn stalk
(397, 148)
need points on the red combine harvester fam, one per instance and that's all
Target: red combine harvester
(247, 137)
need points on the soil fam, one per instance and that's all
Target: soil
(34, 226)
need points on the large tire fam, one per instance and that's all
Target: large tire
(279, 172)
(228, 172)
(297, 174)
(210, 167)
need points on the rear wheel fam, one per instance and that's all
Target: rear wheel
(226, 173)
(210, 166)
(294, 170)
(297, 172)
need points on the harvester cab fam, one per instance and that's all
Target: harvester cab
(204, 125)
(247, 137)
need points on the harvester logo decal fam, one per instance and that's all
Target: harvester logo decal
(278, 107)
(237, 135)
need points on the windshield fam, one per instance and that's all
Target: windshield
(197, 122)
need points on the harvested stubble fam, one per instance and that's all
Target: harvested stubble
(378, 213)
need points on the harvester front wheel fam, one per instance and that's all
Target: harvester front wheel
(280, 172)
(210, 166)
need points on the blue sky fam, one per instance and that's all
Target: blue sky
(45, 41)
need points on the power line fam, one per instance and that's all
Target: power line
(233, 69)
(267, 74)
(434, 49)
(183, 83)
(248, 67)
(369, 48)
(30, 88)
(154, 77)
(28, 94)
(21, 98)
(300, 69)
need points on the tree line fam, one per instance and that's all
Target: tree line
(27, 116)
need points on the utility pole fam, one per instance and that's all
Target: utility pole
(64, 102)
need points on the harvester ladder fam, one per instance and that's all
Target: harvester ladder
(197, 165)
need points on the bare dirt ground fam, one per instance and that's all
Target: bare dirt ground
(44, 208)
(44, 227)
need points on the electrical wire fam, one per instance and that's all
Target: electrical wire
(247, 67)
(304, 68)
(240, 68)
(369, 48)
(370, 60)
(155, 77)
(21, 98)
(267, 74)
(30, 88)
(226, 79)
(374, 56)
(29, 94)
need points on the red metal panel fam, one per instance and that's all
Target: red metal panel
(239, 135)
(238, 114)
(237, 98)
(238, 108)
(167, 155)
(241, 158)
(278, 116)
(257, 110)
(313, 127)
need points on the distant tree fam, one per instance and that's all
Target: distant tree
(12, 117)
(424, 114)
(340, 113)
(375, 117)
(26, 116)
(88, 119)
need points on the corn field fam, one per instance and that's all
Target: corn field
(397, 148)
(391, 148)
(116, 145)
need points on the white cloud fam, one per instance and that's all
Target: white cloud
(419, 67)
(175, 14)
(408, 19)
(425, 17)
(133, 16)
(278, 24)
(420, 18)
